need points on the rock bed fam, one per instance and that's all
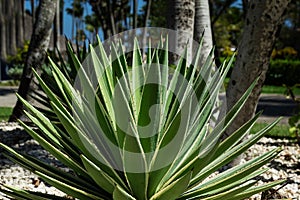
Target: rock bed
(285, 166)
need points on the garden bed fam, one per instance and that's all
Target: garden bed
(285, 166)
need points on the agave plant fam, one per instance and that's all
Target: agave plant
(140, 131)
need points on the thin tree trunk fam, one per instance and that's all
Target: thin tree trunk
(147, 15)
(203, 25)
(36, 54)
(19, 22)
(56, 42)
(135, 13)
(262, 23)
(32, 11)
(61, 19)
(23, 19)
(12, 45)
(111, 19)
(3, 52)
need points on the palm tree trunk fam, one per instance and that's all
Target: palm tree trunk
(56, 26)
(12, 46)
(135, 13)
(262, 23)
(203, 27)
(19, 23)
(146, 19)
(61, 19)
(111, 19)
(181, 19)
(36, 54)
(3, 52)
(32, 11)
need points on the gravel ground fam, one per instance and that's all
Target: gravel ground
(285, 166)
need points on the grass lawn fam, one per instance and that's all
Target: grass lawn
(269, 89)
(10, 83)
(5, 112)
(279, 131)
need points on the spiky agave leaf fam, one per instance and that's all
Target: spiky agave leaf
(135, 132)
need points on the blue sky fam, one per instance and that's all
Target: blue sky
(87, 10)
(68, 18)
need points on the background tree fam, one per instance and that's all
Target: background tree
(77, 13)
(92, 24)
(20, 22)
(36, 54)
(290, 31)
(114, 15)
(12, 33)
(181, 16)
(159, 13)
(56, 26)
(3, 51)
(262, 24)
(203, 25)
(11, 22)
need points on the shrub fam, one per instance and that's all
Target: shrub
(283, 72)
(15, 72)
(139, 133)
(285, 53)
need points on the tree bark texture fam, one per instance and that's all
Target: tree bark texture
(3, 52)
(56, 32)
(19, 22)
(11, 19)
(262, 24)
(12, 33)
(181, 19)
(203, 25)
(36, 53)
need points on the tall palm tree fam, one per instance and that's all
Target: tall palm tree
(77, 13)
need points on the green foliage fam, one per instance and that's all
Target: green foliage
(283, 72)
(228, 27)
(81, 128)
(158, 17)
(5, 112)
(279, 131)
(21, 54)
(15, 72)
(294, 121)
(285, 53)
(227, 52)
(17, 62)
(272, 89)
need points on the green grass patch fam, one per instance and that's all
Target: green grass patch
(10, 83)
(269, 89)
(279, 131)
(5, 112)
